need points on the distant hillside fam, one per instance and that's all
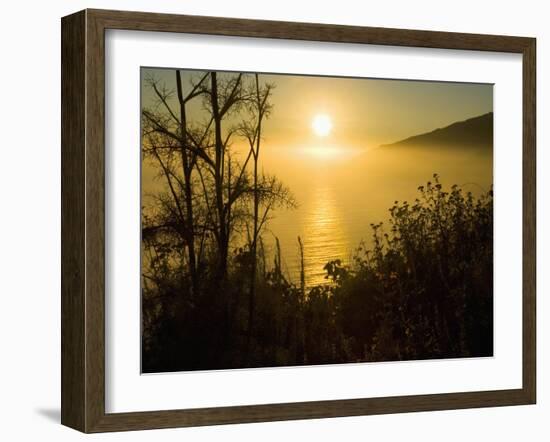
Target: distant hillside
(475, 132)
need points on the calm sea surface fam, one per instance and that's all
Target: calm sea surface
(341, 192)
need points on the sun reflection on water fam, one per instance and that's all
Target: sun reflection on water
(324, 238)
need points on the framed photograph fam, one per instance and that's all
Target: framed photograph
(268, 220)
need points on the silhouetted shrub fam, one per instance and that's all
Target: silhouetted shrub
(423, 290)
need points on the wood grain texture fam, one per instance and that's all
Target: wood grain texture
(83, 218)
(73, 129)
(143, 21)
(529, 221)
(95, 222)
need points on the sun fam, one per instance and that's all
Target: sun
(321, 125)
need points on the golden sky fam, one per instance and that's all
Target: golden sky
(363, 113)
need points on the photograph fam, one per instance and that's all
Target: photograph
(302, 220)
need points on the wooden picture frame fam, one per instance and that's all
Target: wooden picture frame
(83, 220)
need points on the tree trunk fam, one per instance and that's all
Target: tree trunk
(223, 234)
(187, 173)
(255, 233)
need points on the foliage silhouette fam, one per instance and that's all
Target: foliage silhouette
(423, 290)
